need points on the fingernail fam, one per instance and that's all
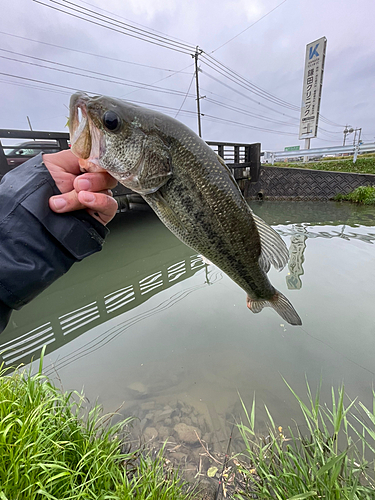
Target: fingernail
(59, 203)
(88, 197)
(84, 184)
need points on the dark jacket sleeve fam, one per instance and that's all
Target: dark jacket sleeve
(37, 246)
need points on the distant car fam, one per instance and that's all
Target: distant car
(27, 150)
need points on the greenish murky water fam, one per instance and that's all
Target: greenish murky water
(146, 326)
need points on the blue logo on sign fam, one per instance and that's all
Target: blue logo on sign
(313, 52)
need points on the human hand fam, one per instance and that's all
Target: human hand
(90, 191)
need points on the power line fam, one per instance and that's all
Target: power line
(133, 22)
(329, 122)
(249, 113)
(120, 29)
(248, 97)
(145, 32)
(188, 90)
(89, 53)
(181, 71)
(251, 25)
(243, 125)
(244, 83)
(131, 83)
(227, 99)
(164, 41)
(165, 108)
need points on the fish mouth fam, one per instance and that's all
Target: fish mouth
(86, 140)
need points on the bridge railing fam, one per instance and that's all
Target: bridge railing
(243, 159)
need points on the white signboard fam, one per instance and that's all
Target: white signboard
(312, 88)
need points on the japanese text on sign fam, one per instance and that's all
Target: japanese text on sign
(312, 88)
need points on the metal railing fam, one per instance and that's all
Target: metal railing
(334, 150)
(59, 138)
(242, 159)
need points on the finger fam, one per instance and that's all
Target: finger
(100, 205)
(64, 160)
(66, 202)
(96, 182)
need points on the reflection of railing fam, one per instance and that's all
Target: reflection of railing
(70, 325)
(366, 238)
(298, 236)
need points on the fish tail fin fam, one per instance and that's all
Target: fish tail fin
(280, 304)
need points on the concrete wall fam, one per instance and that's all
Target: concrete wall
(303, 184)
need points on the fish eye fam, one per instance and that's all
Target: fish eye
(111, 121)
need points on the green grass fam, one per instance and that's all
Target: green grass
(364, 195)
(328, 461)
(51, 447)
(365, 164)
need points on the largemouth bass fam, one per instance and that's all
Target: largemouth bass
(189, 187)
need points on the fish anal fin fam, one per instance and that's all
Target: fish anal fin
(273, 248)
(280, 304)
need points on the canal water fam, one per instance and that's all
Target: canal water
(145, 327)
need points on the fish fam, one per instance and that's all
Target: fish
(188, 186)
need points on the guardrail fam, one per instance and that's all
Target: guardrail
(334, 150)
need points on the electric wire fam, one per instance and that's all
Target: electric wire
(251, 25)
(167, 108)
(131, 83)
(245, 83)
(249, 113)
(123, 30)
(243, 125)
(146, 32)
(258, 90)
(133, 22)
(188, 90)
(166, 42)
(89, 53)
(248, 97)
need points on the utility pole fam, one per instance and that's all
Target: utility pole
(196, 55)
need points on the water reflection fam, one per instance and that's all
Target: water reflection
(21, 344)
(298, 234)
(145, 322)
(296, 258)
(62, 329)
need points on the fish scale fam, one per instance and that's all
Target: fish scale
(188, 186)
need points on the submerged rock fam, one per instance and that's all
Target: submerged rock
(138, 387)
(150, 433)
(187, 433)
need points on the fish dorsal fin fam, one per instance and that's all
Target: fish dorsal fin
(273, 248)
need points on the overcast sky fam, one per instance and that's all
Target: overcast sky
(270, 55)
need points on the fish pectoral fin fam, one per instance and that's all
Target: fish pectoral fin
(164, 211)
(273, 249)
(155, 167)
(280, 304)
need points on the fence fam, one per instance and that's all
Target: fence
(242, 159)
(318, 152)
